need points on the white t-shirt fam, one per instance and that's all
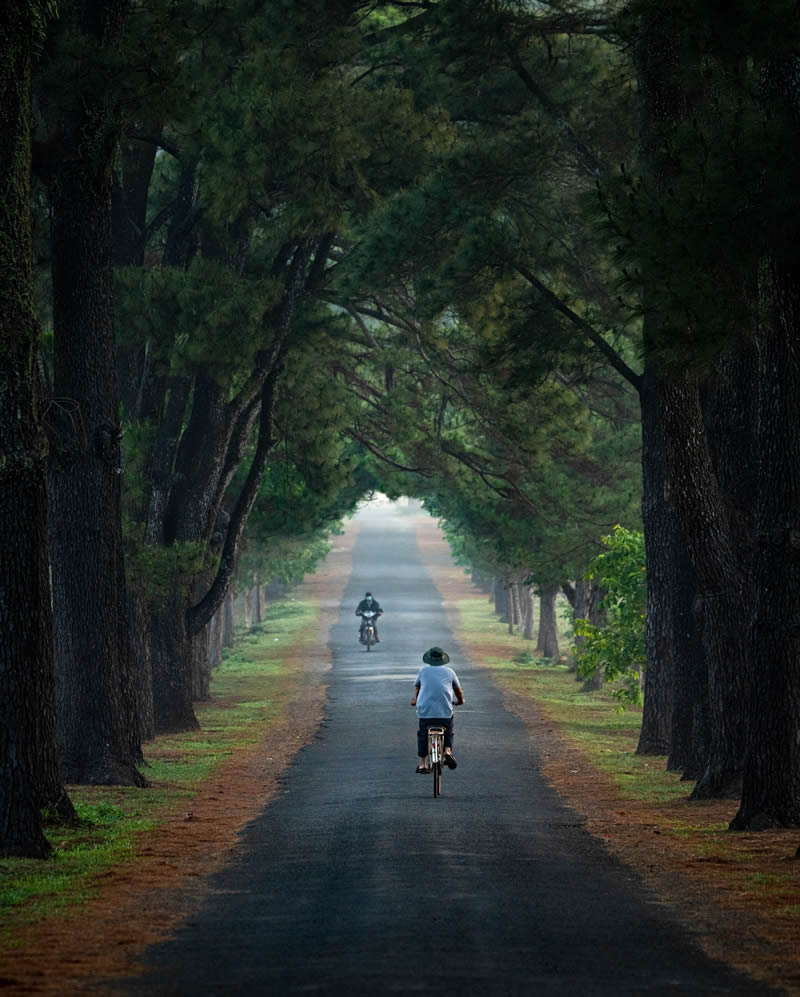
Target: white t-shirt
(436, 684)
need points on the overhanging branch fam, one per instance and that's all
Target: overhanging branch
(587, 328)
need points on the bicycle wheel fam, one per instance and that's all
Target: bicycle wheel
(368, 638)
(437, 779)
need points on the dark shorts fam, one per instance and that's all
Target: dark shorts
(422, 733)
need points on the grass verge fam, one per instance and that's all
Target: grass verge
(248, 692)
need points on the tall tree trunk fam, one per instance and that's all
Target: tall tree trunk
(210, 451)
(258, 608)
(508, 607)
(511, 614)
(515, 602)
(172, 668)
(253, 598)
(548, 629)
(500, 597)
(215, 639)
(771, 785)
(227, 620)
(527, 612)
(664, 552)
(668, 98)
(129, 224)
(29, 778)
(98, 728)
(140, 621)
(201, 664)
(580, 611)
(96, 716)
(726, 621)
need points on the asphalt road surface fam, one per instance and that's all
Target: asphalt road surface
(355, 880)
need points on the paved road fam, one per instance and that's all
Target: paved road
(355, 880)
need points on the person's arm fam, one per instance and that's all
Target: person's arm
(416, 694)
(459, 694)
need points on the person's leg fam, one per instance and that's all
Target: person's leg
(449, 757)
(422, 744)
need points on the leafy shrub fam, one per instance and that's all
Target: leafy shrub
(618, 649)
(523, 658)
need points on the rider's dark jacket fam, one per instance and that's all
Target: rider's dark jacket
(373, 606)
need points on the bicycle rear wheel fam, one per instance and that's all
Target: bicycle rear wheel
(437, 779)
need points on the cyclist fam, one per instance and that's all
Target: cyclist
(436, 688)
(368, 603)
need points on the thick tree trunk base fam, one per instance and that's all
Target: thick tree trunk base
(717, 786)
(27, 846)
(103, 772)
(763, 820)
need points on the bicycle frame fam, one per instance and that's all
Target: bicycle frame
(436, 756)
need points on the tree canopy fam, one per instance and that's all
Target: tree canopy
(530, 262)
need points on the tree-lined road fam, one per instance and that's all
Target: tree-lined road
(355, 880)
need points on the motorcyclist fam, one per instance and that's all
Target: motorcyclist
(368, 603)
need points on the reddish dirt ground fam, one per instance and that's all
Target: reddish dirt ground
(143, 901)
(756, 934)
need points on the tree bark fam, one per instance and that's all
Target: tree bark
(515, 602)
(227, 620)
(500, 598)
(98, 729)
(527, 612)
(215, 639)
(771, 784)
(172, 667)
(663, 545)
(141, 649)
(201, 664)
(511, 614)
(672, 86)
(580, 611)
(726, 621)
(97, 716)
(548, 629)
(259, 605)
(29, 777)
(129, 225)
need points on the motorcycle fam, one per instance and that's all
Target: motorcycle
(368, 635)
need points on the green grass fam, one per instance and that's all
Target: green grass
(244, 700)
(105, 834)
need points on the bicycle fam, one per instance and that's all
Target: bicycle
(436, 756)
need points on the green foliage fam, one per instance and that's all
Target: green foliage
(157, 571)
(617, 650)
(187, 315)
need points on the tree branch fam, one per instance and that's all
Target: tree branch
(359, 438)
(589, 331)
(586, 157)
